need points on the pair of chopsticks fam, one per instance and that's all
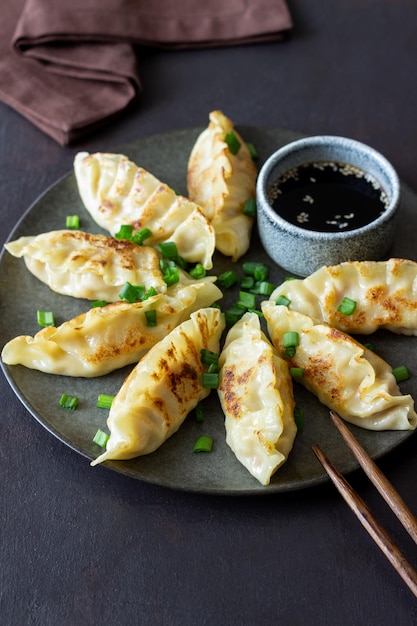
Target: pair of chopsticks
(361, 510)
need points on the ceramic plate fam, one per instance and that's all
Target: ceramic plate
(175, 465)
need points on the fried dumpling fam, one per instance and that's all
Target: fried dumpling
(221, 181)
(115, 192)
(385, 293)
(107, 338)
(343, 374)
(256, 395)
(95, 267)
(162, 389)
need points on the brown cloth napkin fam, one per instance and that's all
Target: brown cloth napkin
(71, 68)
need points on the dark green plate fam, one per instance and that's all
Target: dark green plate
(175, 465)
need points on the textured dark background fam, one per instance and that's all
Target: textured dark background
(86, 547)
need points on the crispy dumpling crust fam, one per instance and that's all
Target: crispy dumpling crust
(107, 338)
(256, 395)
(162, 389)
(83, 265)
(343, 374)
(385, 293)
(115, 191)
(221, 182)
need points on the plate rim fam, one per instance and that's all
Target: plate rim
(120, 467)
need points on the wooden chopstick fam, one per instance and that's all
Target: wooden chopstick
(365, 516)
(379, 480)
(362, 511)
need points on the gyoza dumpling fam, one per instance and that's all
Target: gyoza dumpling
(115, 191)
(343, 374)
(221, 182)
(104, 339)
(95, 267)
(256, 395)
(385, 293)
(162, 389)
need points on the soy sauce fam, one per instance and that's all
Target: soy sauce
(328, 197)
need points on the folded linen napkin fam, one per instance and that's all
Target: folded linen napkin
(70, 68)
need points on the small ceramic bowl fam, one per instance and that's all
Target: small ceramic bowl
(297, 245)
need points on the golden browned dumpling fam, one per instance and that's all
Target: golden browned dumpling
(344, 375)
(221, 180)
(384, 293)
(116, 191)
(107, 338)
(162, 389)
(256, 395)
(82, 265)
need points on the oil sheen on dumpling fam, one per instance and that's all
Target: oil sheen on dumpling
(162, 389)
(256, 395)
(343, 374)
(115, 191)
(107, 338)
(385, 293)
(221, 182)
(95, 267)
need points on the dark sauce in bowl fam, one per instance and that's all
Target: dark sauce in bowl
(328, 197)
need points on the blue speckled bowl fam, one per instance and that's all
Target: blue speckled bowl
(302, 251)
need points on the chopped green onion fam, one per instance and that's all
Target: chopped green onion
(197, 271)
(175, 261)
(290, 278)
(125, 232)
(151, 292)
(292, 338)
(370, 346)
(290, 341)
(171, 276)
(208, 356)
(233, 314)
(232, 142)
(213, 367)
(68, 402)
(104, 401)
(249, 208)
(45, 318)
(199, 413)
(249, 267)
(141, 235)
(259, 270)
(168, 249)
(164, 264)
(299, 417)
(252, 150)
(151, 319)
(247, 282)
(283, 300)
(98, 303)
(101, 438)
(347, 306)
(401, 373)
(290, 351)
(210, 380)
(132, 293)
(246, 300)
(72, 221)
(258, 313)
(227, 279)
(203, 444)
(296, 372)
(263, 288)
(181, 262)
